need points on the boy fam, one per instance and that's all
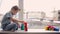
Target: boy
(7, 19)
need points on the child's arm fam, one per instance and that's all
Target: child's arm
(15, 20)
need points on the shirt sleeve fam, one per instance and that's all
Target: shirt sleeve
(8, 15)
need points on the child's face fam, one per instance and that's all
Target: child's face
(14, 12)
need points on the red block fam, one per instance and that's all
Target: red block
(49, 26)
(25, 26)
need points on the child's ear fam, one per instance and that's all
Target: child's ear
(19, 9)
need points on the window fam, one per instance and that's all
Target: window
(45, 7)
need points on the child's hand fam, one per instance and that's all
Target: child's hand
(22, 21)
(18, 26)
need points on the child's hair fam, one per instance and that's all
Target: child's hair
(15, 8)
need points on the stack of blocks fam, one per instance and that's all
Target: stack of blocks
(24, 26)
(51, 28)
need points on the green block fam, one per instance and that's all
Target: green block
(22, 27)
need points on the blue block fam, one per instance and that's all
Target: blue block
(56, 29)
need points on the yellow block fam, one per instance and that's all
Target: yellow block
(46, 28)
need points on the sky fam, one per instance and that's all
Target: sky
(46, 6)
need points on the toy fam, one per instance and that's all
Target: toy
(56, 29)
(51, 28)
(46, 28)
(24, 26)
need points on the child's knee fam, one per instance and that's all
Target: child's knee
(14, 24)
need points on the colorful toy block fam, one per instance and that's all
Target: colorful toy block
(24, 26)
(51, 28)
